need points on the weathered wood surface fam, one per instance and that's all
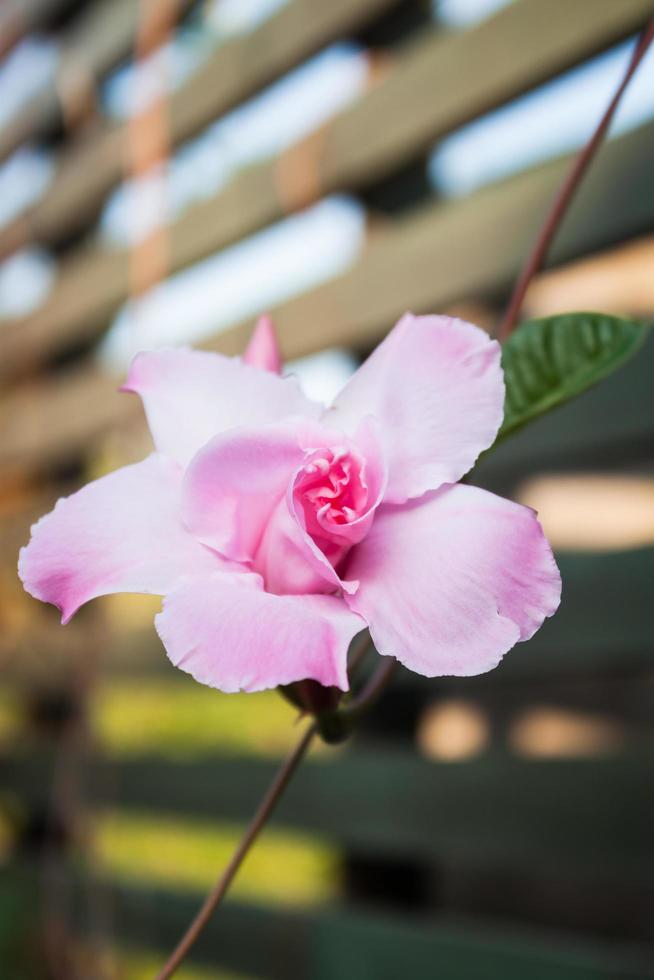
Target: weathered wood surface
(19, 17)
(618, 280)
(423, 262)
(97, 39)
(388, 126)
(237, 70)
(348, 942)
(53, 420)
(450, 251)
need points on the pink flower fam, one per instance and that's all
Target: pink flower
(276, 530)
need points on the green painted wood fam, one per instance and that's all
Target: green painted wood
(351, 944)
(604, 621)
(604, 625)
(592, 814)
(22, 956)
(384, 949)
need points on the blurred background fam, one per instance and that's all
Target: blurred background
(168, 170)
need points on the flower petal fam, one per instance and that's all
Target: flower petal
(190, 396)
(374, 476)
(228, 633)
(435, 385)
(121, 533)
(290, 560)
(263, 349)
(450, 582)
(234, 483)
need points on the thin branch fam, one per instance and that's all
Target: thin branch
(255, 827)
(568, 189)
(368, 696)
(360, 648)
(374, 689)
(337, 726)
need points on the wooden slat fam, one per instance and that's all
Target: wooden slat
(618, 280)
(613, 422)
(344, 942)
(94, 283)
(602, 623)
(339, 943)
(237, 70)
(423, 262)
(472, 72)
(603, 626)
(99, 37)
(19, 17)
(504, 810)
(460, 250)
(592, 814)
(52, 421)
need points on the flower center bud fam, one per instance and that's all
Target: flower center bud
(331, 491)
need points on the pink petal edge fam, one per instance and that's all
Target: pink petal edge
(228, 633)
(436, 387)
(190, 396)
(450, 582)
(121, 533)
(234, 483)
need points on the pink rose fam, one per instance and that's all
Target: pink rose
(277, 529)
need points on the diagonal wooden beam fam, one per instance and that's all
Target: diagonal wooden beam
(98, 38)
(427, 261)
(389, 124)
(442, 81)
(92, 165)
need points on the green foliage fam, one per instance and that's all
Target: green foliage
(547, 362)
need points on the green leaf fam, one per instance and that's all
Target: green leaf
(548, 362)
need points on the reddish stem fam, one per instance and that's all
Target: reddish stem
(371, 692)
(217, 893)
(568, 189)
